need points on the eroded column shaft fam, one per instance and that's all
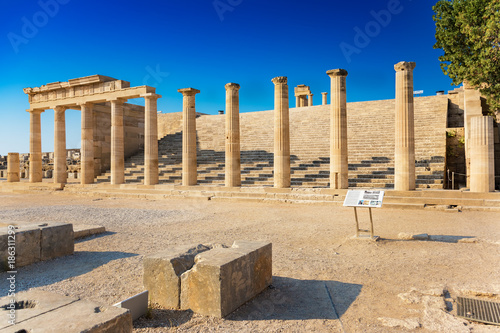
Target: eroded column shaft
(117, 147)
(87, 150)
(12, 167)
(482, 154)
(233, 161)
(338, 130)
(404, 158)
(60, 174)
(151, 140)
(189, 162)
(35, 147)
(281, 133)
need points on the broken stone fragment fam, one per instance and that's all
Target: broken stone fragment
(162, 273)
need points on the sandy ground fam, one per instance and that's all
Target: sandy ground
(323, 280)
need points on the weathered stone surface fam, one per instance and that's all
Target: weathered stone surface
(49, 312)
(13, 167)
(36, 242)
(27, 245)
(162, 273)
(224, 279)
(56, 240)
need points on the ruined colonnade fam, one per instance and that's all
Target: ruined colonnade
(82, 94)
(479, 131)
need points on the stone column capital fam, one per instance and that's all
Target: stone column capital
(336, 72)
(151, 96)
(86, 104)
(59, 108)
(232, 86)
(118, 100)
(280, 80)
(404, 66)
(188, 91)
(35, 111)
(324, 93)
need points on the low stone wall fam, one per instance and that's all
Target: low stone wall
(37, 242)
(212, 282)
(42, 311)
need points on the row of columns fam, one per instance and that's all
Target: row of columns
(87, 143)
(481, 133)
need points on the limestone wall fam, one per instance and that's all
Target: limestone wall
(456, 108)
(370, 129)
(133, 119)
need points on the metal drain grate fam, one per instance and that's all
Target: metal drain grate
(477, 310)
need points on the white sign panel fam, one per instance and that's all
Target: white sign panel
(418, 92)
(364, 198)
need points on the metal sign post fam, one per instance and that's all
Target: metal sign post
(365, 199)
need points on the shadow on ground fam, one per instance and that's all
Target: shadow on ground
(59, 269)
(163, 318)
(87, 238)
(293, 299)
(432, 238)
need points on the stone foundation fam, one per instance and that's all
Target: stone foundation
(210, 282)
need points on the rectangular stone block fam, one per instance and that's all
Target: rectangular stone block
(162, 273)
(56, 240)
(223, 279)
(27, 248)
(45, 312)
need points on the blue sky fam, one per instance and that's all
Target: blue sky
(205, 44)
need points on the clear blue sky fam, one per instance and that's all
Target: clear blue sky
(172, 44)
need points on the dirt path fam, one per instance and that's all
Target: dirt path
(320, 273)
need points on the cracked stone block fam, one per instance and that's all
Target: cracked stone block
(223, 279)
(46, 312)
(162, 273)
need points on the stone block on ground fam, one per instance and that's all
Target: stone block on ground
(162, 273)
(44, 312)
(84, 230)
(27, 239)
(56, 240)
(223, 279)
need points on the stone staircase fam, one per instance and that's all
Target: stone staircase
(370, 145)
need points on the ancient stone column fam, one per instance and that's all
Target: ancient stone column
(310, 100)
(404, 158)
(482, 155)
(35, 168)
(472, 108)
(338, 130)
(117, 145)
(151, 139)
(297, 101)
(189, 166)
(233, 173)
(60, 174)
(281, 133)
(325, 98)
(13, 167)
(87, 150)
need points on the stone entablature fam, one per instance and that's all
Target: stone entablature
(83, 86)
(90, 89)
